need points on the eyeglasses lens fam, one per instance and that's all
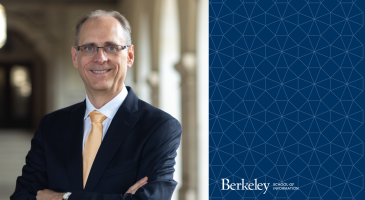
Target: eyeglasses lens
(110, 49)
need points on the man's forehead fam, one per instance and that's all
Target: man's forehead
(103, 20)
(104, 29)
(105, 43)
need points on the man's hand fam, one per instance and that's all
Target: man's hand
(47, 194)
(137, 185)
(52, 195)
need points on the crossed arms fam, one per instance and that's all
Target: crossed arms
(157, 163)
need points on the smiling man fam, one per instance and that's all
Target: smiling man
(112, 143)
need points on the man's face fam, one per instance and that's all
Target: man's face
(102, 71)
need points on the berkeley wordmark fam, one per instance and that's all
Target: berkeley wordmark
(244, 186)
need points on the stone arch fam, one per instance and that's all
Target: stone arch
(35, 52)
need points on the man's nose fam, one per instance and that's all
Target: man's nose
(100, 56)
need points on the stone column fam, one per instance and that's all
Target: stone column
(187, 69)
(133, 11)
(155, 18)
(153, 82)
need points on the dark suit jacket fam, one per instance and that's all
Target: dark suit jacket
(141, 141)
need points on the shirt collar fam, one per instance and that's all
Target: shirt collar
(109, 109)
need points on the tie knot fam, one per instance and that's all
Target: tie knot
(96, 116)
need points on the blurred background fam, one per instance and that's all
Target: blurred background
(170, 72)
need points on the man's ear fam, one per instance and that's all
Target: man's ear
(74, 56)
(130, 56)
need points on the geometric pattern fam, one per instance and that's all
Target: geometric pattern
(284, 95)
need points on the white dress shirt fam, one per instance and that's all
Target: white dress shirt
(109, 110)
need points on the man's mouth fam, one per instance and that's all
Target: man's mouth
(100, 72)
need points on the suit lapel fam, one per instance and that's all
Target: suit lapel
(74, 131)
(119, 129)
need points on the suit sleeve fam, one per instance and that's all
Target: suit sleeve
(157, 163)
(34, 176)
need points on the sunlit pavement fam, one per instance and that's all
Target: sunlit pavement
(14, 145)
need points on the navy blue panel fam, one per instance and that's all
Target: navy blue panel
(286, 99)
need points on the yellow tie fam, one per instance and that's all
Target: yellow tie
(92, 143)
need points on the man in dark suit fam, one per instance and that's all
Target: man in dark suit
(100, 148)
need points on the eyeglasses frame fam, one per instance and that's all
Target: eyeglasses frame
(97, 48)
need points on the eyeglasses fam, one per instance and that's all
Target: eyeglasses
(109, 49)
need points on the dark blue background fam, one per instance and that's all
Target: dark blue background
(286, 97)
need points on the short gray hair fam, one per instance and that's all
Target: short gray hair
(99, 13)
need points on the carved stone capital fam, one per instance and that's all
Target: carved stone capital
(187, 65)
(153, 81)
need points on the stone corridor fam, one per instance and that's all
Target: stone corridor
(14, 145)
